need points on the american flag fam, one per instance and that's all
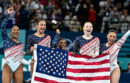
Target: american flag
(58, 66)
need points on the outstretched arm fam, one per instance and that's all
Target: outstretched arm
(123, 39)
(4, 23)
(56, 38)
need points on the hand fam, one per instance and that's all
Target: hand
(93, 55)
(72, 53)
(105, 52)
(10, 10)
(31, 49)
(32, 61)
(57, 31)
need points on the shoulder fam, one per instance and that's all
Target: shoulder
(102, 45)
(78, 38)
(31, 36)
(46, 35)
(95, 37)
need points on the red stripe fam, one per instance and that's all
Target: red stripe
(88, 63)
(90, 50)
(43, 43)
(90, 42)
(89, 78)
(114, 58)
(12, 47)
(10, 55)
(43, 40)
(87, 49)
(86, 56)
(39, 79)
(107, 69)
(18, 48)
(114, 52)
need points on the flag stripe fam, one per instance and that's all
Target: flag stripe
(89, 78)
(88, 66)
(73, 58)
(46, 80)
(107, 69)
(87, 74)
(89, 63)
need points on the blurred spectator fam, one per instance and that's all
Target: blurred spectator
(74, 24)
(24, 17)
(82, 10)
(128, 68)
(67, 20)
(49, 8)
(125, 18)
(92, 14)
(5, 4)
(114, 19)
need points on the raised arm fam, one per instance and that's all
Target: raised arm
(56, 38)
(123, 39)
(4, 24)
(3, 28)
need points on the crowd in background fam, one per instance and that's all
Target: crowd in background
(70, 15)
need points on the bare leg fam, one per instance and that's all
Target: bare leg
(115, 75)
(32, 69)
(6, 74)
(18, 75)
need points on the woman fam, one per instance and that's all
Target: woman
(113, 49)
(87, 44)
(39, 38)
(13, 50)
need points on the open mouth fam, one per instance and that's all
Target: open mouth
(15, 34)
(88, 30)
(111, 41)
(42, 29)
(63, 47)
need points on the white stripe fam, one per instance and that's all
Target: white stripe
(50, 77)
(44, 41)
(71, 58)
(88, 74)
(15, 47)
(11, 50)
(86, 45)
(67, 80)
(88, 66)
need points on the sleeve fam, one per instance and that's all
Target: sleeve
(24, 61)
(76, 46)
(123, 39)
(49, 43)
(3, 28)
(28, 45)
(55, 40)
(97, 46)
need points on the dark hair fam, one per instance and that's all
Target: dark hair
(128, 63)
(38, 20)
(60, 40)
(112, 31)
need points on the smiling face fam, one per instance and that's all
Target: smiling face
(61, 44)
(88, 28)
(111, 37)
(41, 26)
(14, 32)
